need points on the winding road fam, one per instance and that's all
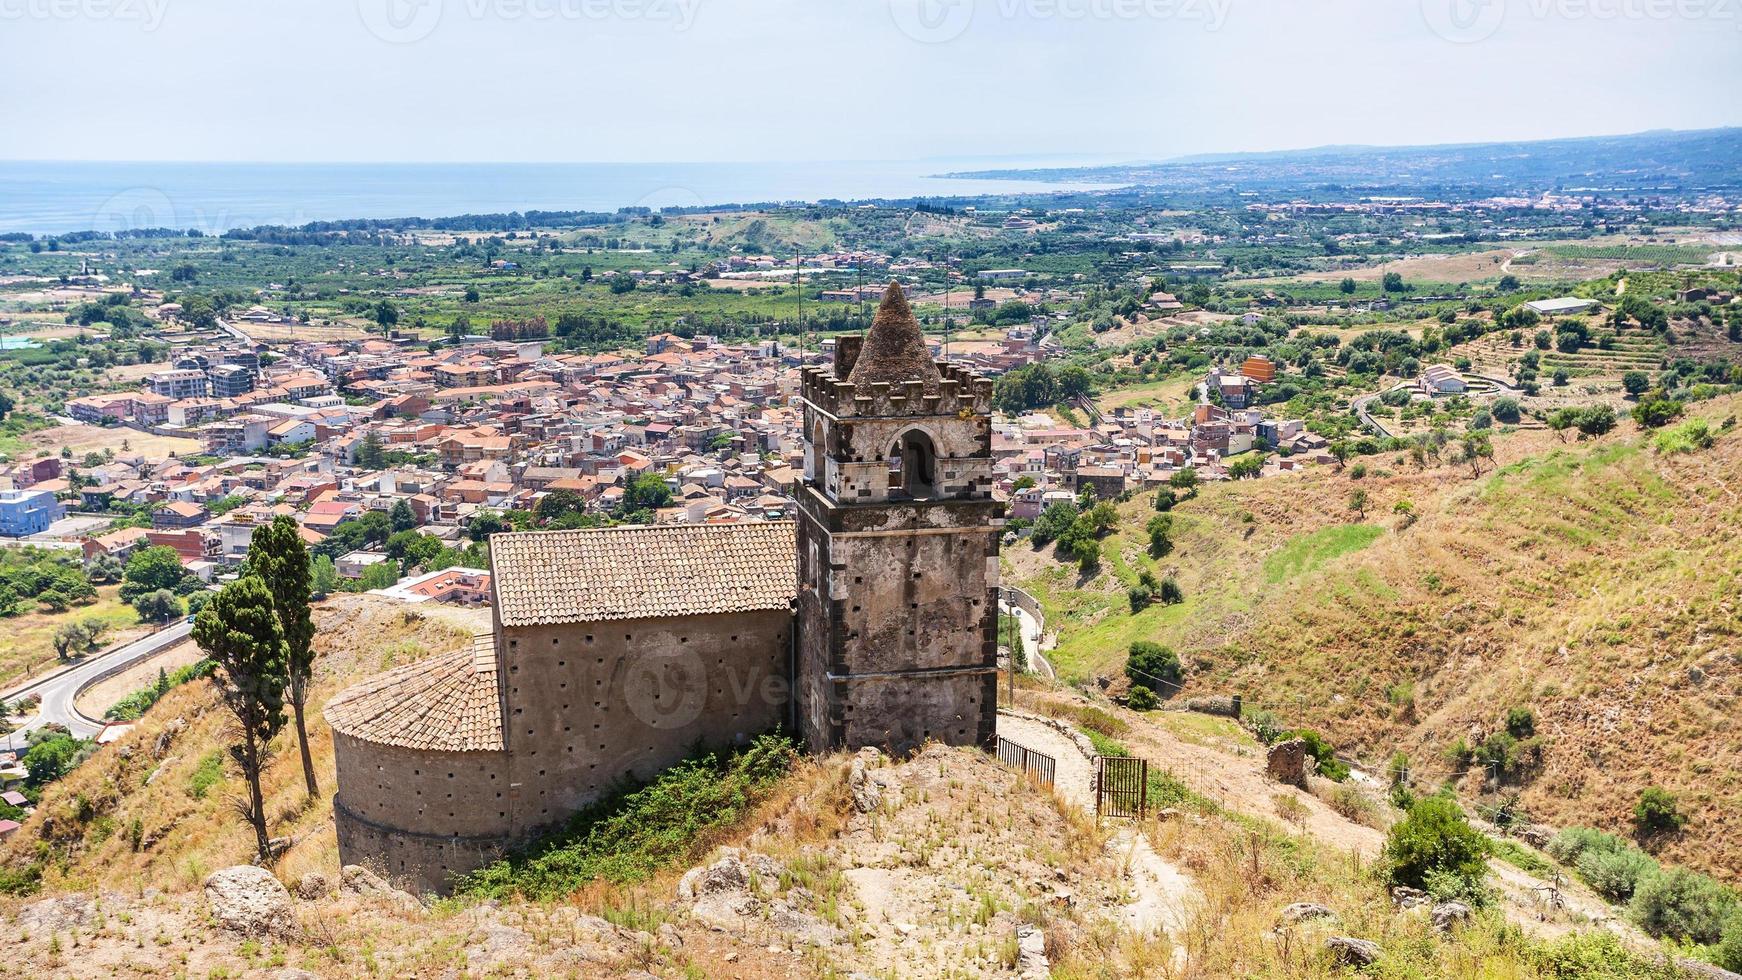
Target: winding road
(59, 690)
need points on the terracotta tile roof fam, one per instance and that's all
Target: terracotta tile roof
(446, 703)
(642, 572)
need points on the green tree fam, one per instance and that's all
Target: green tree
(1347, 286)
(1636, 382)
(1074, 382)
(1657, 812)
(278, 556)
(370, 453)
(401, 517)
(1185, 479)
(1153, 666)
(157, 606)
(1358, 503)
(646, 492)
(1657, 412)
(239, 631)
(554, 505)
(1435, 848)
(323, 576)
(150, 569)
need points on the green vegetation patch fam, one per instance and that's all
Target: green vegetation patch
(638, 830)
(1306, 553)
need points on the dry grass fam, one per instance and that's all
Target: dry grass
(87, 820)
(83, 439)
(27, 641)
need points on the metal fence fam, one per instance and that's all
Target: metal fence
(1121, 786)
(1026, 759)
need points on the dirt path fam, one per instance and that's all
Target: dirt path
(1161, 893)
(1233, 776)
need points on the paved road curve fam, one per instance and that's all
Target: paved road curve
(59, 690)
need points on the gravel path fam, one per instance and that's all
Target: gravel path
(1161, 892)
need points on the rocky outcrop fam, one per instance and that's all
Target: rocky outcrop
(867, 792)
(1031, 961)
(1448, 915)
(1305, 911)
(313, 885)
(1353, 952)
(1286, 763)
(57, 914)
(250, 901)
(354, 879)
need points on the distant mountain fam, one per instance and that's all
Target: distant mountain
(1657, 162)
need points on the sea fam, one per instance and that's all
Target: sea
(52, 198)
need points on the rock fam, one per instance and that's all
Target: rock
(57, 914)
(1167, 813)
(1448, 914)
(765, 868)
(1353, 952)
(1286, 763)
(250, 901)
(1302, 911)
(313, 885)
(167, 737)
(1535, 834)
(1031, 959)
(278, 845)
(725, 875)
(354, 879)
(867, 795)
(668, 935)
(1705, 971)
(1405, 897)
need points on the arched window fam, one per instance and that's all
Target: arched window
(913, 466)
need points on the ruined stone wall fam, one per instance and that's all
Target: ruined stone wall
(419, 816)
(592, 704)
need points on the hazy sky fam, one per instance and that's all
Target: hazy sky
(638, 80)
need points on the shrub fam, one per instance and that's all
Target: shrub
(1689, 436)
(1505, 409)
(1728, 953)
(1323, 754)
(1436, 843)
(1599, 955)
(1615, 874)
(1265, 726)
(1520, 722)
(1682, 904)
(1657, 812)
(1572, 843)
(1657, 413)
(638, 830)
(1153, 666)
(1142, 699)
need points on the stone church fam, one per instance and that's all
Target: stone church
(870, 620)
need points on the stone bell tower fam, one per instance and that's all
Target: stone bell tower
(897, 546)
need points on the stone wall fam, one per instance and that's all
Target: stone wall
(589, 705)
(418, 816)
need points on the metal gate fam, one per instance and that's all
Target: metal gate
(1026, 759)
(1121, 786)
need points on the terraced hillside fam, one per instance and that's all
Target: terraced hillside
(1598, 585)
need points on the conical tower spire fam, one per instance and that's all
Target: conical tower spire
(894, 349)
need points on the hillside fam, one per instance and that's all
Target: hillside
(1594, 583)
(155, 810)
